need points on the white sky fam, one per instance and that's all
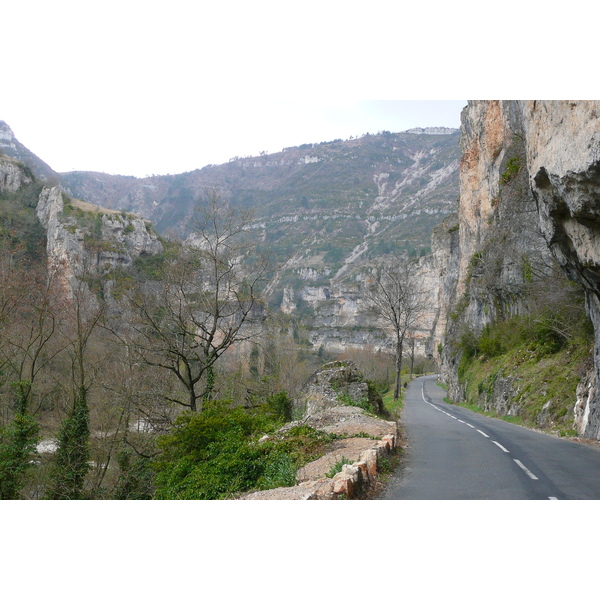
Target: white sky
(140, 88)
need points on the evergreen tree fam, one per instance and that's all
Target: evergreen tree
(18, 442)
(71, 463)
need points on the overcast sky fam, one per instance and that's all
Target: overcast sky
(140, 88)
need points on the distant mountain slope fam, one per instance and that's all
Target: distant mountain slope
(367, 186)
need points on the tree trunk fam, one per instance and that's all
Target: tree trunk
(193, 405)
(398, 368)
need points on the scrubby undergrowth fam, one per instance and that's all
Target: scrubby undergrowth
(526, 372)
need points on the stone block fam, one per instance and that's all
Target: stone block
(343, 485)
(392, 440)
(362, 465)
(370, 457)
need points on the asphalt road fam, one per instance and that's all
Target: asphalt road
(455, 454)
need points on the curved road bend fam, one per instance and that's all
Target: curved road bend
(455, 454)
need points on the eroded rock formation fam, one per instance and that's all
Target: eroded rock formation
(83, 240)
(563, 156)
(529, 196)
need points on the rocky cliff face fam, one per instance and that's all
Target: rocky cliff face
(83, 240)
(563, 156)
(336, 315)
(483, 256)
(13, 175)
(529, 191)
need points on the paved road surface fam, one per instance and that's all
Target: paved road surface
(455, 454)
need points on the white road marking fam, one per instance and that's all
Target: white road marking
(525, 469)
(500, 446)
(552, 498)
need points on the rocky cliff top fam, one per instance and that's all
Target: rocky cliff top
(83, 238)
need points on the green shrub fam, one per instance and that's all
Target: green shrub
(490, 341)
(216, 454)
(279, 407)
(208, 455)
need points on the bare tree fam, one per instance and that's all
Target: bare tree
(28, 325)
(206, 302)
(395, 297)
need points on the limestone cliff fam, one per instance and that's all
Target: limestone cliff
(496, 237)
(336, 315)
(563, 155)
(84, 240)
(529, 191)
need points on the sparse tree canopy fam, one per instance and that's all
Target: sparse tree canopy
(395, 297)
(205, 303)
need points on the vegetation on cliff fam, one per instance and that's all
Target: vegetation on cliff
(527, 367)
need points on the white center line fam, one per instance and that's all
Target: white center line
(461, 421)
(552, 498)
(500, 446)
(483, 434)
(471, 426)
(525, 469)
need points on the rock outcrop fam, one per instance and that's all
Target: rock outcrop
(12, 148)
(529, 196)
(13, 175)
(84, 240)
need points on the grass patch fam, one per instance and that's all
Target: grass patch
(337, 467)
(360, 403)
(393, 408)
